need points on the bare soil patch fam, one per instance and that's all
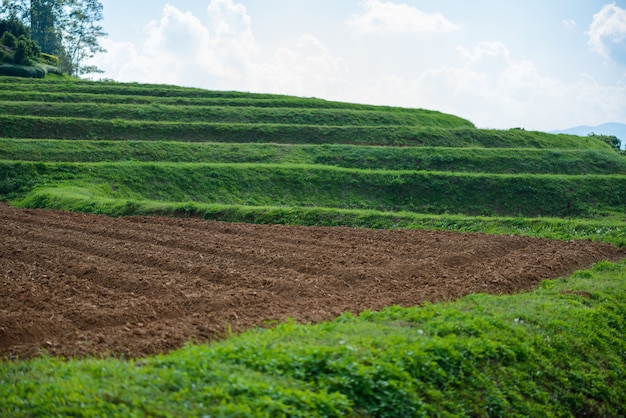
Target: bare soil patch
(78, 284)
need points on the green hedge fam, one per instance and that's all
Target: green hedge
(22, 71)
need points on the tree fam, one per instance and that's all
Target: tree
(66, 28)
(26, 51)
(81, 34)
(44, 30)
(15, 43)
(15, 27)
(612, 140)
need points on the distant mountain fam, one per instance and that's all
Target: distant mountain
(612, 128)
(615, 129)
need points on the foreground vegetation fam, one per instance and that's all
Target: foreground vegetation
(558, 351)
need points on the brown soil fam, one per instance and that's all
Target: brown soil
(76, 284)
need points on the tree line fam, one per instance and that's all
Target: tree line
(66, 30)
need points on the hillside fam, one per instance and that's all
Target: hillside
(122, 148)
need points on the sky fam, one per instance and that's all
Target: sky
(536, 64)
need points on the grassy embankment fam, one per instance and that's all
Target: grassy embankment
(558, 351)
(268, 158)
(125, 149)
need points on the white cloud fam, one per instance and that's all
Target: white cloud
(304, 69)
(177, 44)
(493, 89)
(180, 49)
(607, 32)
(569, 23)
(485, 83)
(381, 16)
(221, 53)
(485, 49)
(229, 19)
(514, 92)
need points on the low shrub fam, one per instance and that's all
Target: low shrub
(22, 71)
(52, 60)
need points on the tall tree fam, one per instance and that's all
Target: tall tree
(81, 35)
(44, 30)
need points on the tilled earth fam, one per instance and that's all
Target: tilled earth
(77, 284)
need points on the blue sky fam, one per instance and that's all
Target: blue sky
(536, 64)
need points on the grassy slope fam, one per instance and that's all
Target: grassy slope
(230, 114)
(289, 185)
(200, 131)
(445, 165)
(467, 160)
(558, 351)
(444, 169)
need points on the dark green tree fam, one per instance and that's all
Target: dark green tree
(612, 140)
(8, 39)
(15, 27)
(15, 43)
(44, 28)
(26, 51)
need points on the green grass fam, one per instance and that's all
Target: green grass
(80, 91)
(71, 109)
(122, 129)
(94, 200)
(221, 99)
(322, 186)
(557, 351)
(230, 114)
(476, 160)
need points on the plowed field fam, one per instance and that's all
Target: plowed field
(76, 284)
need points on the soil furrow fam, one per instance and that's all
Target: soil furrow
(76, 284)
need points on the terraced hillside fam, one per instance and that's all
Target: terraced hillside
(122, 149)
(75, 284)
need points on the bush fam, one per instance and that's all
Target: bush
(22, 71)
(611, 140)
(51, 69)
(26, 51)
(9, 40)
(52, 60)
